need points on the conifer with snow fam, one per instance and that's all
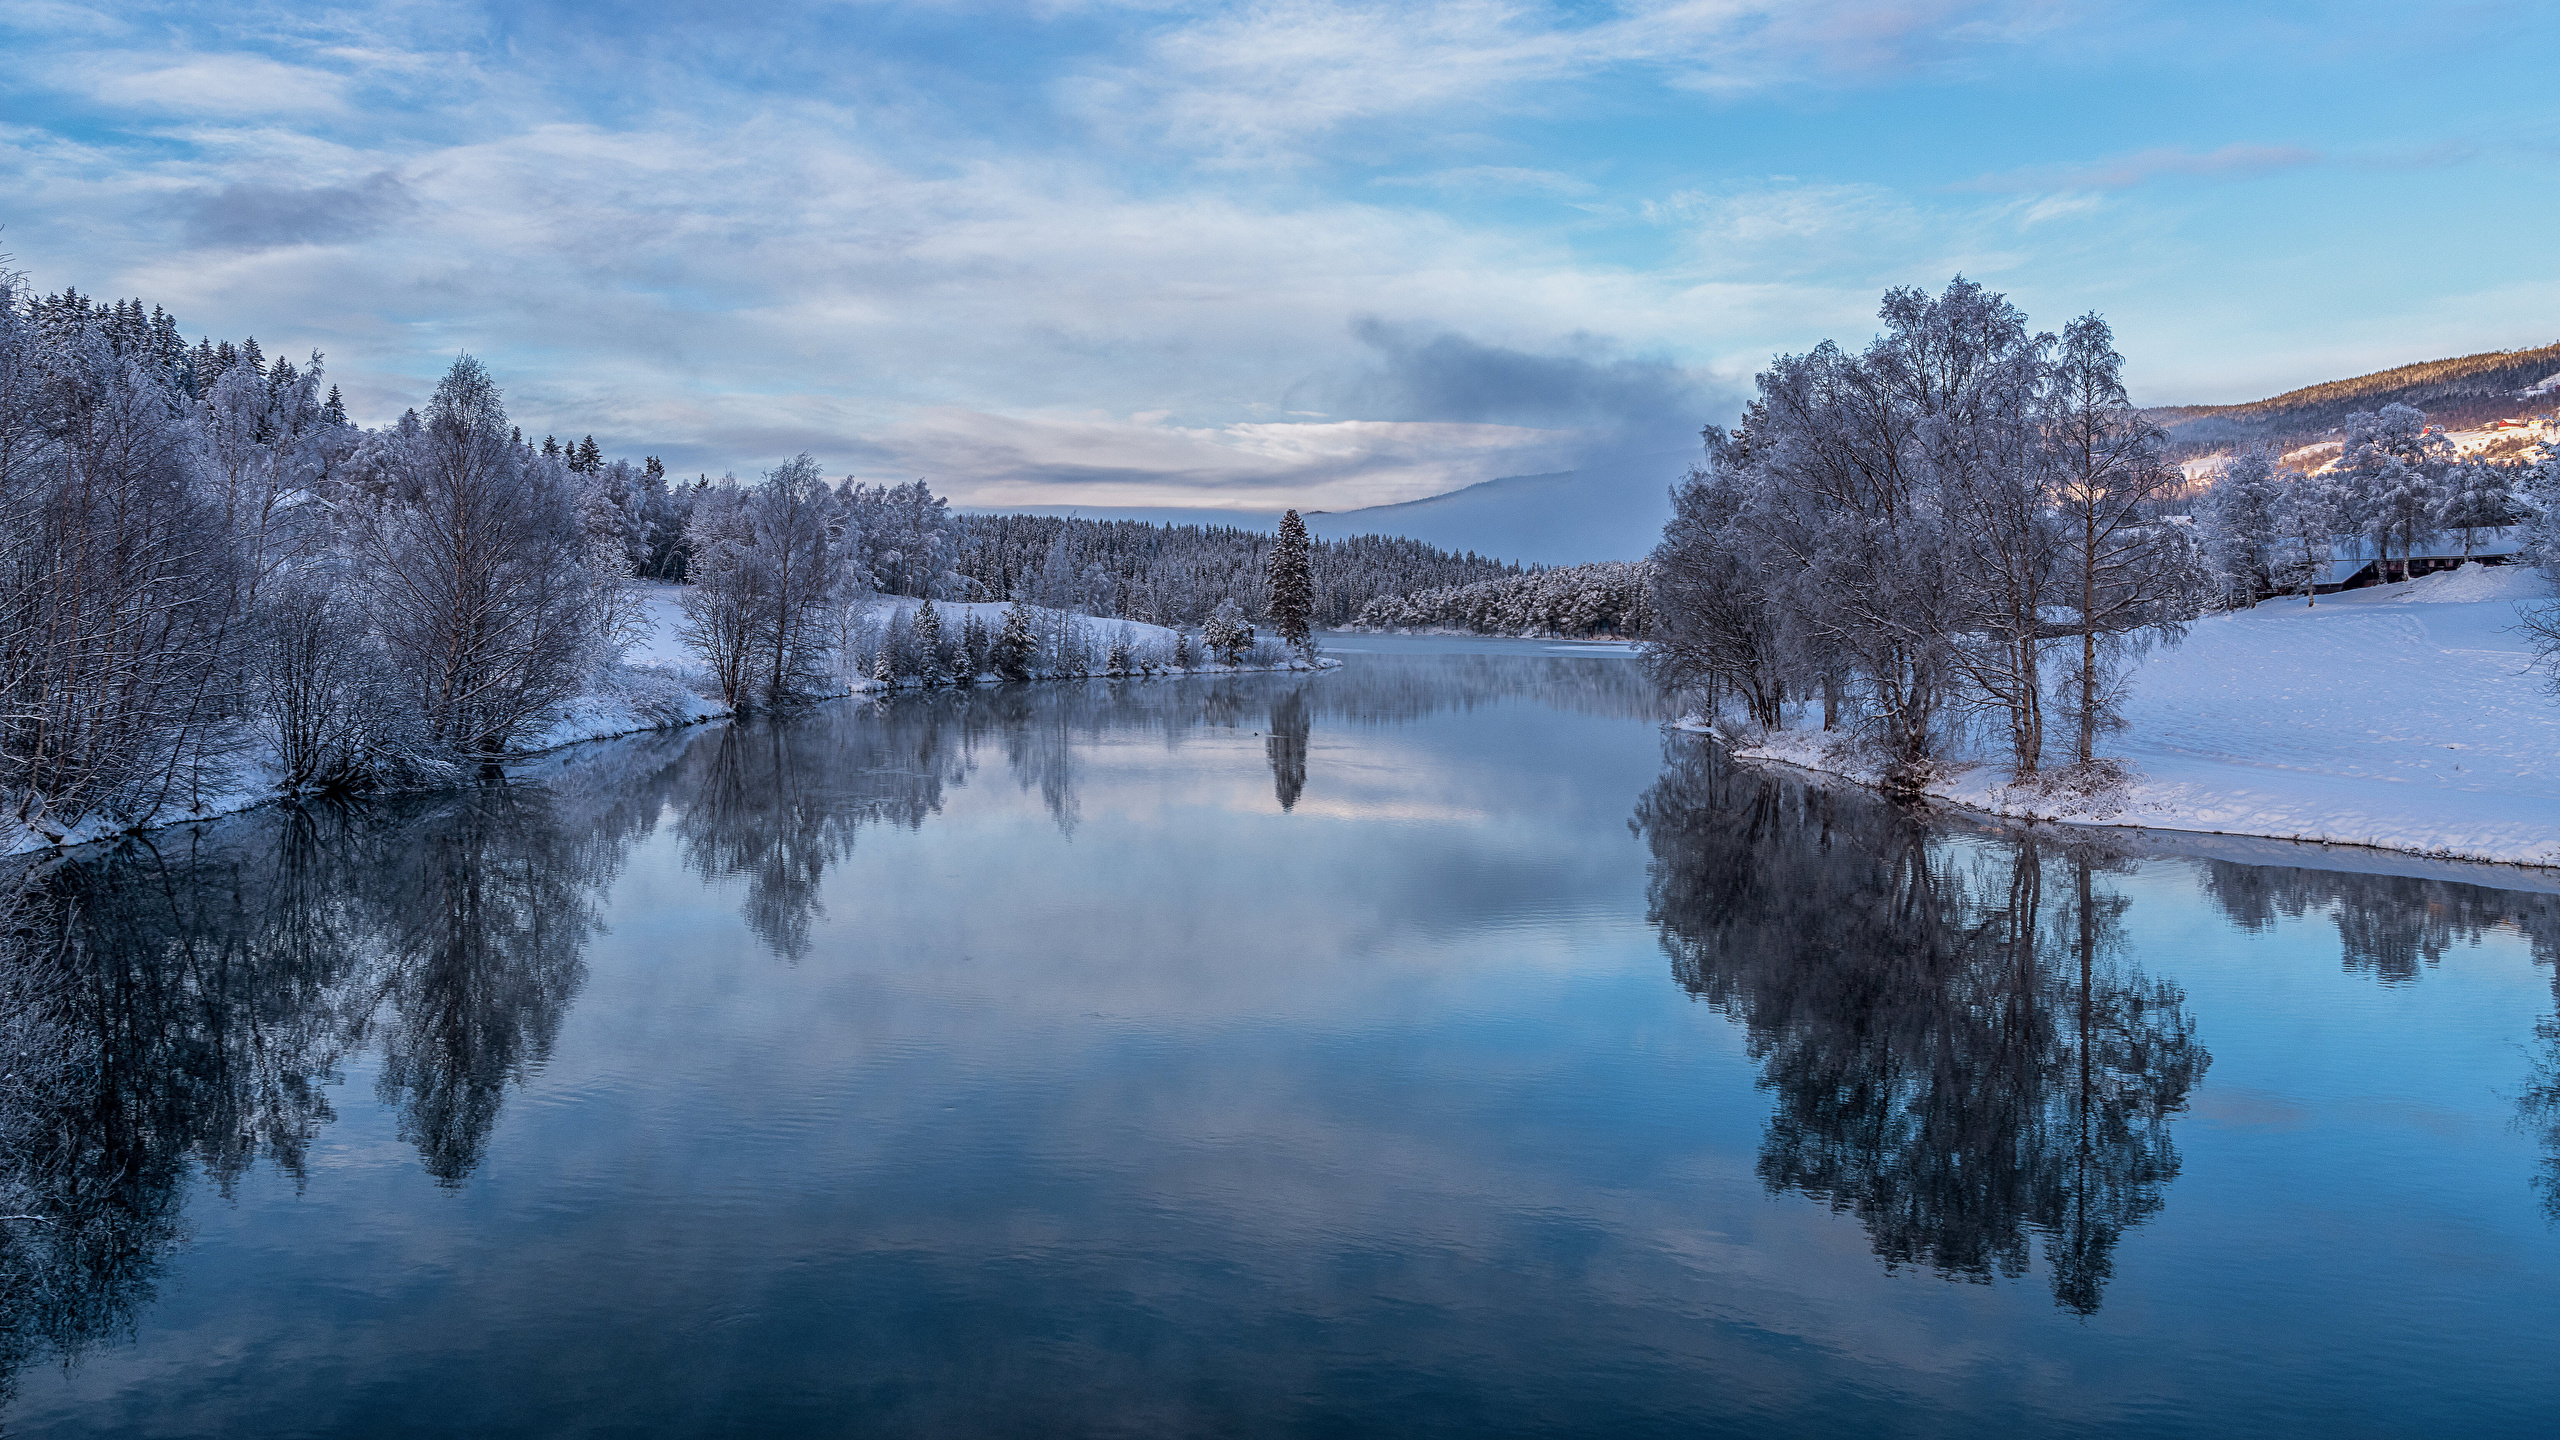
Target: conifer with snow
(930, 665)
(1015, 648)
(1293, 583)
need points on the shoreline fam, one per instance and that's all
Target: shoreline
(33, 847)
(1939, 796)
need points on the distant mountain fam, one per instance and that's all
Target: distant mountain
(1148, 514)
(1561, 519)
(2458, 394)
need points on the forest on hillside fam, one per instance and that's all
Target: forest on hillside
(2457, 393)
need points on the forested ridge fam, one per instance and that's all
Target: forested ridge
(2462, 391)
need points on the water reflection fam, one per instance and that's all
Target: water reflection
(2389, 926)
(1956, 1048)
(187, 1001)
(1960, 1052)
(1291, 728)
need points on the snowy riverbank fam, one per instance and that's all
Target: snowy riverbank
(659, 685)
(2400, 716)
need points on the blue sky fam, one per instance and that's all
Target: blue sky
(1309, 253)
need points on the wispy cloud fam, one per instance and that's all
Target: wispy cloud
(1251, 84)
(224, 85)
(2231, 162)
(1493, 180)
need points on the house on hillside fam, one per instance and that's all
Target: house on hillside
(2355, 563)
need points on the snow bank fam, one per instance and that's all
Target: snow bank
(2399, 716)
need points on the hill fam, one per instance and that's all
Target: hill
(2459, 393)
(1566, 518)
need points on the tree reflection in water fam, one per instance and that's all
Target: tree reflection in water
(182, 1003)
(1961, 1055)
(2394, 928)
(1286, 746)
(1959, 1052)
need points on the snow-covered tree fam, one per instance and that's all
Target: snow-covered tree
(2393, 475)
(2242, 526)
(1226, 633)
(975, 643)
(1015, 649)
(2127, 577)
(2477, 496)
(476, 571)
(1293, 582)
(930, 664)
(2310, 515)
(901, 539)
(1722, 627)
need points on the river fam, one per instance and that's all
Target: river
(1430, 1046)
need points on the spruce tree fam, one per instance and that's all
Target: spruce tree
(590, 459)
(1015, 649)
(1293, 582)
(1183, 659)
(929, 644)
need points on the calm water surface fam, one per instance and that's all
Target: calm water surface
(1428, 1047)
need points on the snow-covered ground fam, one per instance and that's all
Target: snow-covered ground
(2400, 716)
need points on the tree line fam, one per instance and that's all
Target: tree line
(1613, 598)
(1177, 575)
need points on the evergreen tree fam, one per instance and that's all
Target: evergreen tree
(1293, 582)
(929, 662)
(974, 644)
(590, 459)
(334, 410)
(1183, 659)
(1015, 649)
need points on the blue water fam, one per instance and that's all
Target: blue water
(1432, 1046)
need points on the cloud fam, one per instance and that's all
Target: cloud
(247, 215)
(2231, 162)
(988, 459)
(1430, 375)
(1494, 180)
(1250, 85)
(224, 85)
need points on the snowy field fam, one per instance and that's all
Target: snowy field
(2399, 716)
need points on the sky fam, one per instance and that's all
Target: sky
(1291, 253)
